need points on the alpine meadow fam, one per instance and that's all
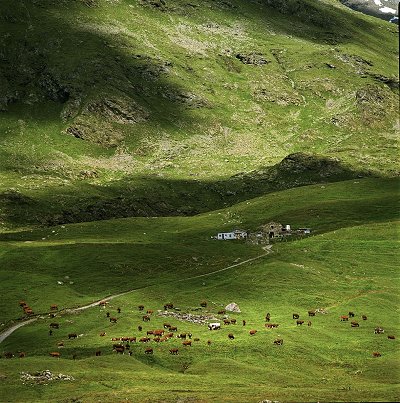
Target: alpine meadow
(199, 201)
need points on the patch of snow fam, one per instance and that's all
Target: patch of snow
(387, 10)
(378, 3)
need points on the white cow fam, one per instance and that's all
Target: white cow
(214, 326)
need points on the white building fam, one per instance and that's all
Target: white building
(236, 234)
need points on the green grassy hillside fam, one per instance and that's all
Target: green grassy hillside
(113, 108)
(346, 265)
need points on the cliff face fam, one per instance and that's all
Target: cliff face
(384, 9)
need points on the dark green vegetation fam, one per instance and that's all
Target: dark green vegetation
(131, 131)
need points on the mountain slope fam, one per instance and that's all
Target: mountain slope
(138, 92)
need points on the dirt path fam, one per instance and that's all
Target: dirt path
(7, 332)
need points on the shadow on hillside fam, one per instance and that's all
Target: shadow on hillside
(150, 196)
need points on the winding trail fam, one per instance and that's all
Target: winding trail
(7, 332)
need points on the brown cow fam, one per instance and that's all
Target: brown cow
(146, 318)
(60, 344)
(102, 303)
(187, 343)
(376, 354)
(278, 342)
(141, 307)
(203, 304)
(344, 318)
(231, 336)
(119, 349)
(54, 325)
(150, 332)
(144, 339)
(299, 322)
(196, 339)
(379, 330)
(132, 339)
(227, 322)
(391, 337)
(233, 321)
(55, 354)
(271, 325)
(22, 354)
(309, 323)
(102, 334)
(53, 307)
(173, 329)
(169, 335)
(158, 332)
(351, 314)
(150, 312)
(113, 320)
(311, 313)
(296, 316)
(72, 336)
(98, 353)
(364, 317)
(166, 325)
(148, 350)
(8, 355)
(182, 336)
(355, 324)
(22, 303)
(157, 339)
(253, 332)
(173, 351)
(222, 312)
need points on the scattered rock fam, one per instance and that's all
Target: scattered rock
(254, 58)
(233, 307)
(44, 377)
(188, 317)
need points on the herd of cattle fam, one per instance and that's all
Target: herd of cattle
(123, 344)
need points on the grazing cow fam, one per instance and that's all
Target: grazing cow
(166, 325)
(98, 353)
(182, 336)
(72, 336)
(22, 354)
(203, 304)
(311, 313)
(148, 350)
(119, 310)
(299, 322)
(150, 312)
(54, 325)
(53, 307)
(107, 314)
(144, 339)
(309, 323)
(355, 324)
(169, 335)
(130, 353)
(103, 303)
(163, 339)
(116, 339)
(222, 312)
(139, 328)
(227, 322)
(28, 311)
(157, 339)
(158, 332)
(271, 325)
(214, 326)
(22, 303)
(150, 332)
(119, 349)
(253, 332)
(113, 320)
(391, 337)
(244, 322)
(296, 316)
(146, 318)
(141, 307)
(351, 314)
(60, 344)
(173, 329)
(268, 317)
(231, 336)
(376, 354)
(196, 339)
(278, 342)
(102, 334)
(190, 335)
(233, 321)
(168, 306)
(173, 351)
(132, 339)
(379, 330)
(8, 355)
(364, 317)
(52, 315)
(55, 354)
(344, 318)
(187, 343)
(50, 332)
(209, 342)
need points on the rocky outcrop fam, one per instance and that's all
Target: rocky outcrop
(233, 307)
